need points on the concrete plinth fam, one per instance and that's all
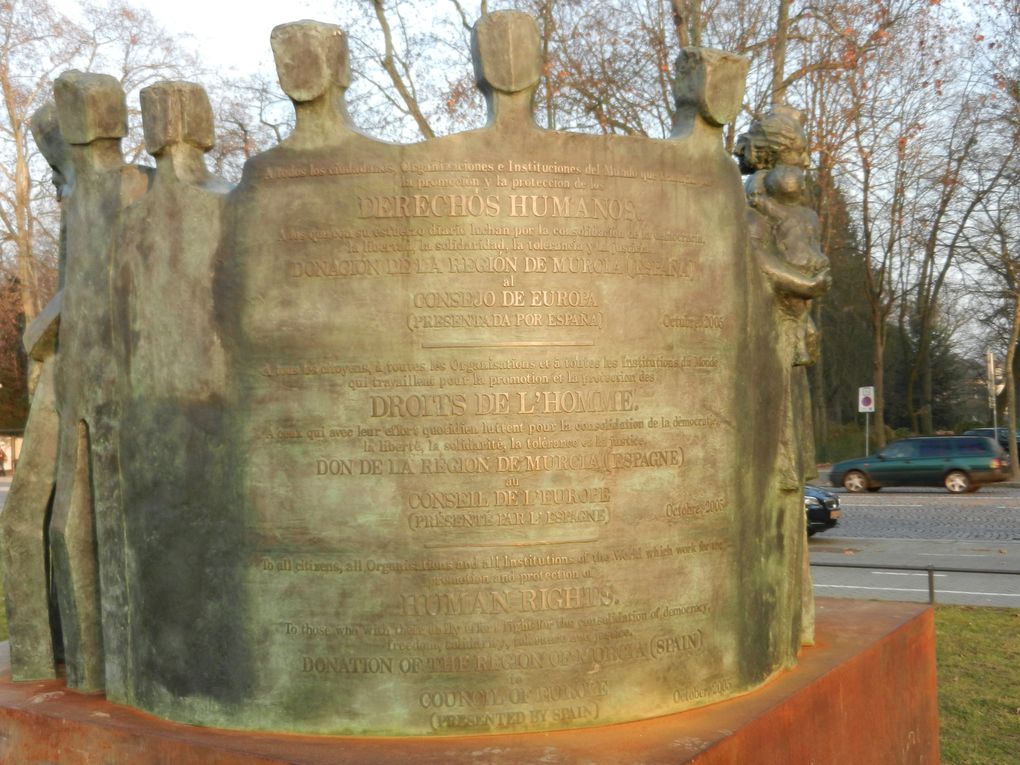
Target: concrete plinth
(864, 694)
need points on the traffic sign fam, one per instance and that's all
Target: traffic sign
(866, 399)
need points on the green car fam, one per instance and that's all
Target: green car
(960, 463)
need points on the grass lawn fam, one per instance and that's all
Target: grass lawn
(979, 683)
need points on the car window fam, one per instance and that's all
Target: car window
(935, 448)
(972, 447)
(901, 450)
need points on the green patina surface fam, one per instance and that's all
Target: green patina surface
(488, 433)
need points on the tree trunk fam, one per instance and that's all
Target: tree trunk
(927, 416)
(548, 29)
(878, 377)
(389, 64)
(779, 53)
(680, 23)
(1014, 337)
(22, 223)
(23, 213)
(687, 22)
(819, 413)
(910, 370)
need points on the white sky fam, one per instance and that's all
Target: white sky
(234, 35)
(225, 33)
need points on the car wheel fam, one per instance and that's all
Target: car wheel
(855, 481)
(957, 482)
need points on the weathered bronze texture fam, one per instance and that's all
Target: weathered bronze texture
(176, 113)
(491, 433)
(23, 522)
(23, 532)
(85, 530)
(708, 83)
(182, 537)
(785, 237)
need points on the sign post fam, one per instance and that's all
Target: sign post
(991, 395)
(866, 404)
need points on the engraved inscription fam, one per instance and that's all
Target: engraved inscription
(499, 418)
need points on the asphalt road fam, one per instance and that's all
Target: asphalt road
(922, 527)
(991, 514)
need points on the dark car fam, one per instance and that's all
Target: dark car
(822, 508)
(999, 434)
(960, 463)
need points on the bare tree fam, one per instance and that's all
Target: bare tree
(36, 43)
(252, 114)
(884, 120)
(956, 187)
(993, 242)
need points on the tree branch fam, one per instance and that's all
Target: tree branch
(389, 65)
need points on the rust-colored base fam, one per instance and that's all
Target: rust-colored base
(864, 695)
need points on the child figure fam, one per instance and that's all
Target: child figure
(778, 194)
(773, 153)
(795, 226)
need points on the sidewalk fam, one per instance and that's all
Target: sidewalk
(915, 552)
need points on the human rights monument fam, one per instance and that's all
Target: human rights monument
(496, 432)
